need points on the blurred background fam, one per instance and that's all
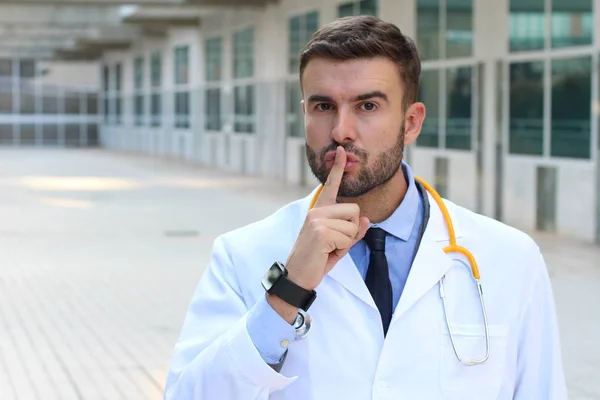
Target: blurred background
(134, 132)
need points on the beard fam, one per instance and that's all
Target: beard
(371, 174)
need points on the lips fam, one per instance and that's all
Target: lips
(351, 160)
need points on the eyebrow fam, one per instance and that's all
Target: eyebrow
(376, 93)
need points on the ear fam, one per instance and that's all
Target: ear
(413, 122)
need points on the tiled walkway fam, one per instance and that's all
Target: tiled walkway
(100, 253)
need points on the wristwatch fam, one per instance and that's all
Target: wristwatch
(302, 324)
(276, 282)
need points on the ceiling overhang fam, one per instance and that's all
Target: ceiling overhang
(85, 29)
(185, 16)
(93, 3)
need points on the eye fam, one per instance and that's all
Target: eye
(324, 107)
(368, 106)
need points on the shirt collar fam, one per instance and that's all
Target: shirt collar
(402, 220)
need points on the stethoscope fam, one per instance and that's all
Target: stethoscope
(452, 247)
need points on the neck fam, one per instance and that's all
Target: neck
(380, 203)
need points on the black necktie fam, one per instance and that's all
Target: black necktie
(378, 275)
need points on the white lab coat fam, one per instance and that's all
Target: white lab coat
(345, 355)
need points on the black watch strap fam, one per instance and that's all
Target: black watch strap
(293, 294)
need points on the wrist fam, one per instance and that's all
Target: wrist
(285, 310)
(300, 280)
(277, 282)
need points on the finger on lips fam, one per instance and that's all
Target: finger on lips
(332, 185)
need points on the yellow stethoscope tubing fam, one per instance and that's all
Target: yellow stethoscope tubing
(452, 247)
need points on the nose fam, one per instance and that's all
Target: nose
(345, 127)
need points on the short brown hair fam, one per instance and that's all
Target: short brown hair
(367, 37)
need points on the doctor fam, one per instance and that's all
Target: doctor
(357, 291)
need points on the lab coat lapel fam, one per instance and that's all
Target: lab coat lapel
(346, 273)
(430, 263)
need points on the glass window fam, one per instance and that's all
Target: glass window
(6, 134)
(367, 7)
(118, 107)
(27, 134)
(526, 110)
(156, 82)
(294, 116)
(212, 96)
(182, 109)
(456, 40)
(294, 44)
(429, 93)
(312, 24)
(6, 67)
(361, 7)
(92, 134)
(138, 99)
(105, 78)
(50, 100)
(155, 109)
(106, 105)
(428, 29)
(139, 109)
(572, 23)
(571, 107)
(27, 99)
(181, 65)
(118, 77)
(243, 53)
(346, 10)
(214, 54)
(527, 29)
(182, 97)
(118, 110)
(72, 134)
(72, 105)
(50, 134)
(139, 72)
(212, 110)
(459, 28)
(301, 29)
(27, 68)
(459, 117)
(156, 70)
(244, 108)
(91, 103)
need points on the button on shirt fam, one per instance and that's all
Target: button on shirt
(271, 334)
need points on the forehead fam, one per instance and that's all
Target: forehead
(350, 77)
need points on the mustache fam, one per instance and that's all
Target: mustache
(348, 147)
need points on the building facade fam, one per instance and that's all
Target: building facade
(45, 103)
(511, 89)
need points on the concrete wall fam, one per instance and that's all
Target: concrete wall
(575, 202)
(70, 73)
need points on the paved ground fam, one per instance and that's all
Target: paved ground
(100, 252)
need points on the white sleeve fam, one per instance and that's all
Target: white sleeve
(214, 357)
(539, 370)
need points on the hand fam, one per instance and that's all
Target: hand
(328, 233)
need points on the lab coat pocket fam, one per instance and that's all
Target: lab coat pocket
(480, 381)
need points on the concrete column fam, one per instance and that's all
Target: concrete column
(491, 46)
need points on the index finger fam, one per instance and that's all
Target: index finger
(332, 185)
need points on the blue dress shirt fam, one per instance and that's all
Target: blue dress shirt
(269, 332)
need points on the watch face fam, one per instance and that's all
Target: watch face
(272, 276)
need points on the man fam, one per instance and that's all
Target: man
(371, 249)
